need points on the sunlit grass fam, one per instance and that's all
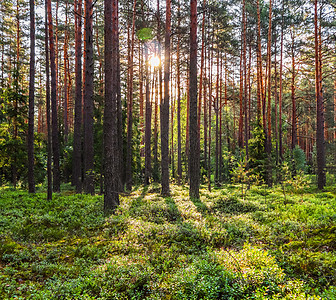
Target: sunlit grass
(221, 246)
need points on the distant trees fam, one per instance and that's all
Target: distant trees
(251, 99)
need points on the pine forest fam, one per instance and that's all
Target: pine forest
(168, 149)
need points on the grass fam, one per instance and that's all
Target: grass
(222, 246)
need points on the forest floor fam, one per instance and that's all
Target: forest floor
(263, 245)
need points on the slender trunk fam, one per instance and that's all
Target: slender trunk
(88, 102)
(202, 67)
(259, 66)
(178, 70)
(280, 83)
(165, 108)
(320, 143)
(245, 83)
(49, 146)
(31, 180)
(55, 138)
(148, 168)
(220, 169)
(217, 121)
(294, 117)
(276, 102)
(77, 142)
(209, 111)
(269, 123)
(129, 157)
(241, 91)
(65, 57)
(141, 100)
(205, 115)
(194, 159)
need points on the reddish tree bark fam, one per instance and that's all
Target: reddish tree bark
(30, 146)
(55, 139)
(194, 159)
(77, 143)
(164, 111)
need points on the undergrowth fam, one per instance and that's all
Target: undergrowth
(223, 246)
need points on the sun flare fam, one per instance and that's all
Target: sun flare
(154, 61)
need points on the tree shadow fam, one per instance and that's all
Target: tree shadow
(175, 214)
(200, 206)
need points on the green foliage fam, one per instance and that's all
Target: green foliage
(219, 247)
(145, 34)
(299, 159)
(257, 153)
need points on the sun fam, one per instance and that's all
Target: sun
(154, 61)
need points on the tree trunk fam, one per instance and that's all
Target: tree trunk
(55, 139)
(165, 108)
(77, 142)
(129, 155)
(88, 102)
(31, 180)
(294, 117)
(194, 159)
(148, 129)
(111, 150)
(280, 83)
(49, 150)
(269, 123)
(178, 70)
(320, 143)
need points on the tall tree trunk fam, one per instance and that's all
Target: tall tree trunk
(205, 115)
(178, 70)
(55, 138)
(294, 116)
(88, 101)
(65, 58)
(226, 103)
(217, 120)
(280, 82)
(165, 108)
(77, 142)
(49, 146)
(320, 143)
(31, 180)
(194, 159)
(141, 99)
(241, 91)
(276, 102)
(259, 66)
(210, 102)
(245, 84)
(148, 129)
(220, 169)
(269, 77)
(202, 67)
(129, 156)
(111, 150)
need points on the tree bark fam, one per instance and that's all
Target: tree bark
(148, 123)
(320, 143)
(31, 180)
(111, 149)
(77, 142)
(129, 156)
(194, 159)
(55, 138)
(88, 102)
(165, 108)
